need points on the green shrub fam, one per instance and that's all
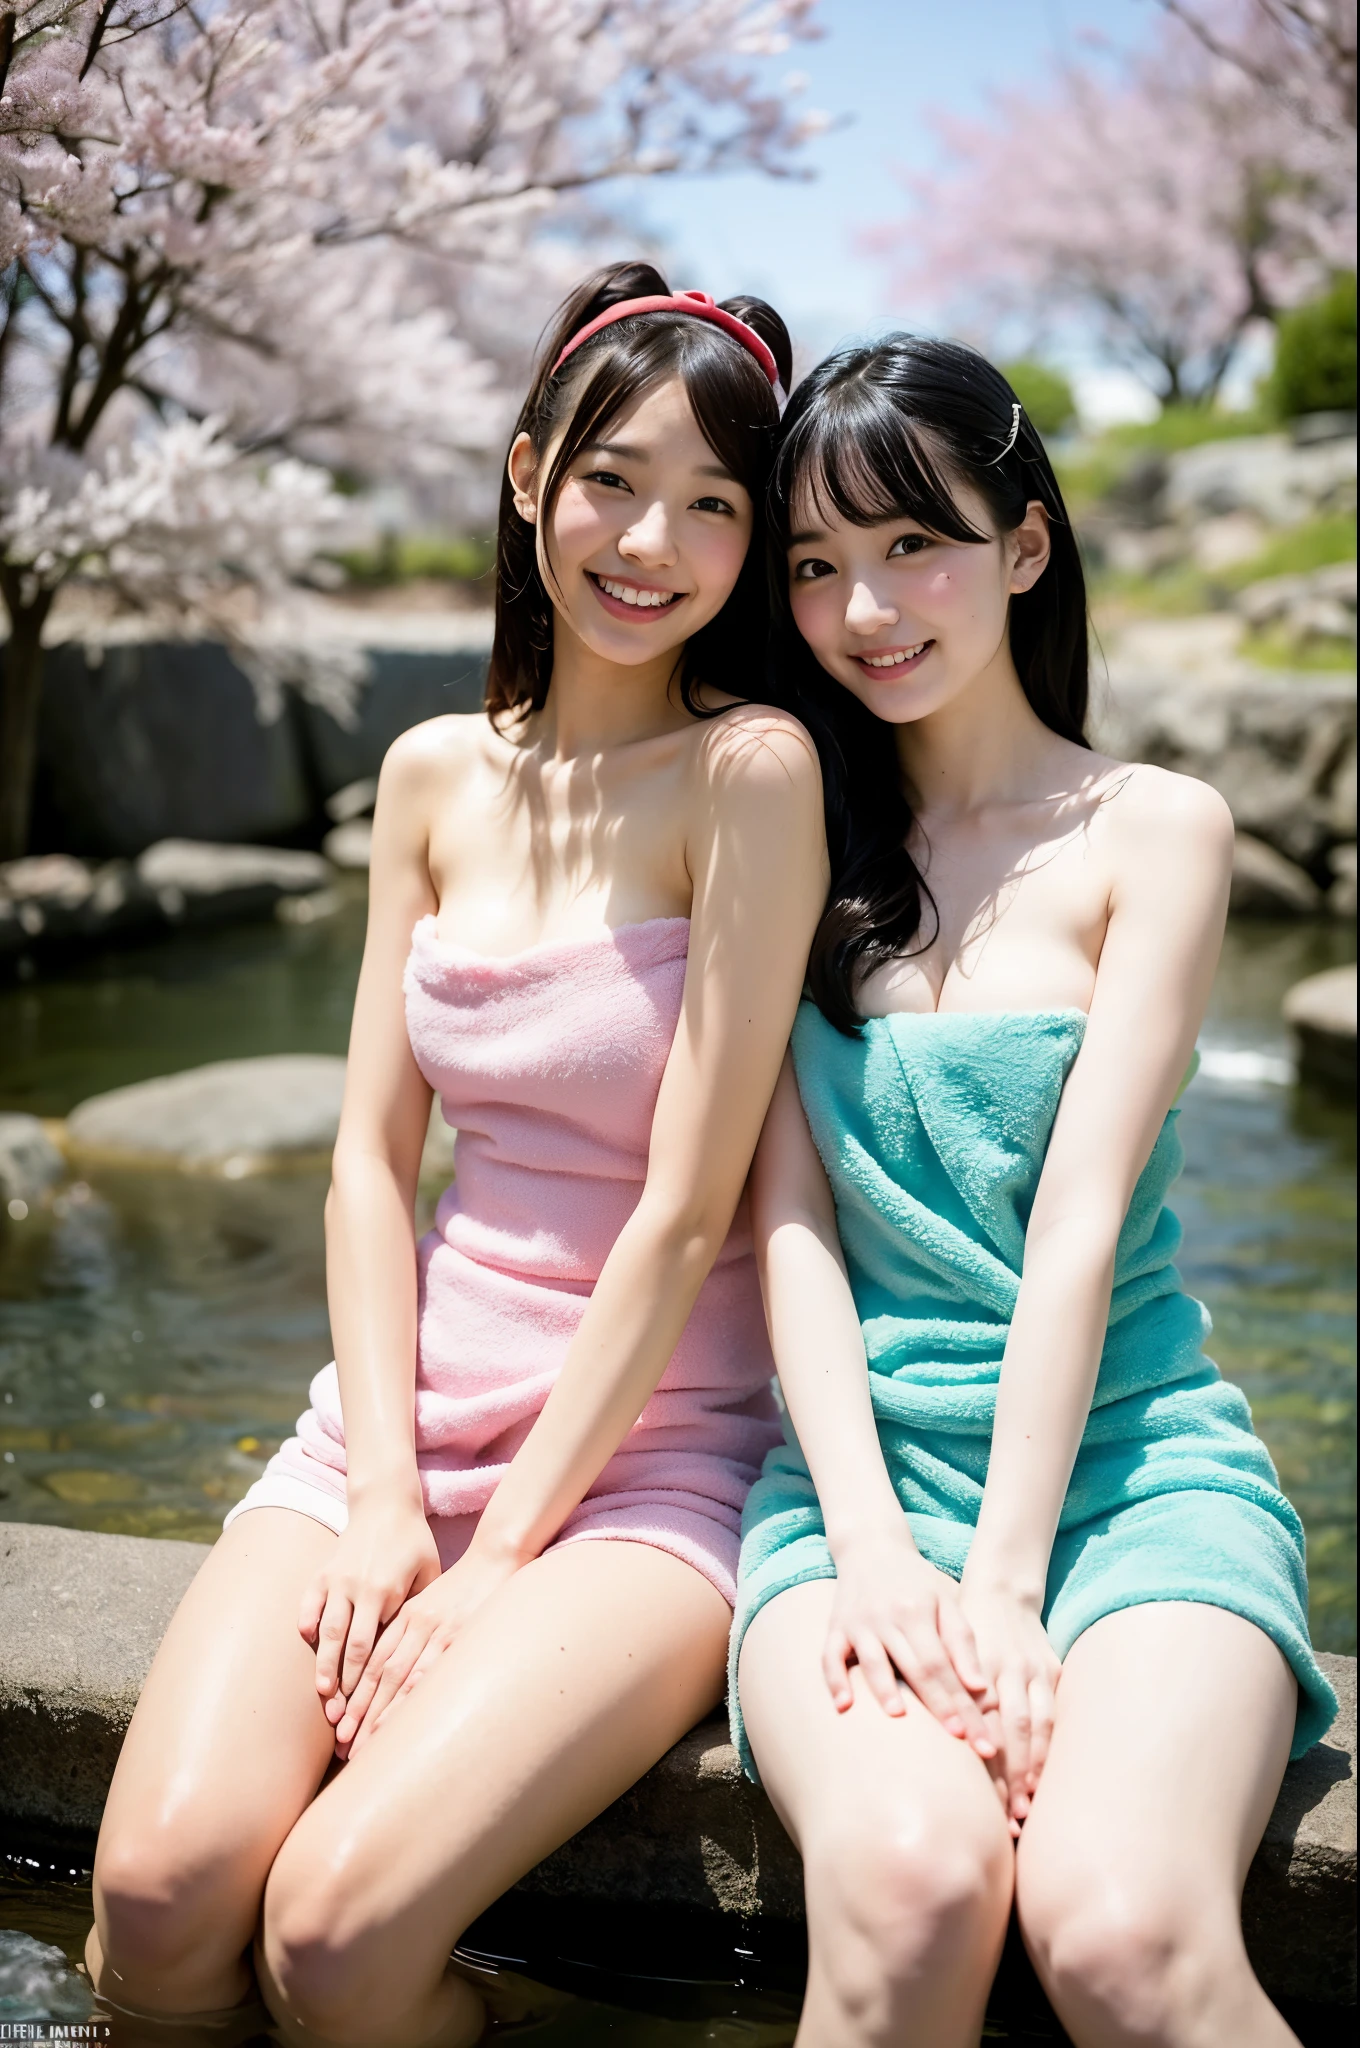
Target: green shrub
(1315, 354)
(451, 558)
(1045, 394)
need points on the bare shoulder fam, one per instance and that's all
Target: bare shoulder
(756, 750)
(1146, 808)
(428, 756)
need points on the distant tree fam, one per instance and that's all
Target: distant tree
(1044, 392)
(245, 242)
(1316, 79)
(1315, 364)
(1167, 202)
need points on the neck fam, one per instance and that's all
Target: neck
(985, 746)
(593, 703)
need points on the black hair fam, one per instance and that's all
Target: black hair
(876, 432)
(738, 415)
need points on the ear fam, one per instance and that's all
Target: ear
(1031, 547)
(522, 469)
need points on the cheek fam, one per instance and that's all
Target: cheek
(716, 555)
(579, 523)
(818, 612)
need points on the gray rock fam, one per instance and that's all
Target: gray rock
(410, 684)
(1317, 607)
(1268, 474)
(349, 845)
(1341, 897)
(53, 897)
(195, 882)
(81, 1615)
(1265, 884)
(29, 1161)
(1321, 1010)
(355, 800)
(1281, 752)
(234, 1117)
(151, 740)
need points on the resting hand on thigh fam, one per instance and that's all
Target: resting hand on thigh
(892, 1613)
(414, 1640)
(386, 1552)
(1020, 1664)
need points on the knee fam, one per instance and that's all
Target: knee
(1136, 1952)
(314, 1953)
(903, 1895)
(162, 1900)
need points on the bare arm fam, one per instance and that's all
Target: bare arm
(387, 1548)
(894, 1613)
(1171, 848)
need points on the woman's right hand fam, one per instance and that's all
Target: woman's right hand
(385, 1553)
(899, 1619)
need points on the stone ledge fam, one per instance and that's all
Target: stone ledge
(81, 1615)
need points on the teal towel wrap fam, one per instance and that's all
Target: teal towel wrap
(933, 1130)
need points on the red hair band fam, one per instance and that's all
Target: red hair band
(700, 305)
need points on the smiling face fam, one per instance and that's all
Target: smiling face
(905, 618)
(647, 535)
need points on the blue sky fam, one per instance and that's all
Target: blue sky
(884, 64)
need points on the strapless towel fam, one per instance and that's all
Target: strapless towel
(933, 1131)
(548, 1063)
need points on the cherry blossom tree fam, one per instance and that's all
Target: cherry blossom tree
(1166, 200)
(246, 242)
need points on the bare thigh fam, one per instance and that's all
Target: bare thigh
(907, 1858)
(227, 1746)
(1174, 1723)
(560, 1693)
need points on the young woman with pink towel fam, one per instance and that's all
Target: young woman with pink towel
(493, 1571)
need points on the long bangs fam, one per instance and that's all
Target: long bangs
(857, 458)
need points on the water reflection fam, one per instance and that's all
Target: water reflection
(158, 1332)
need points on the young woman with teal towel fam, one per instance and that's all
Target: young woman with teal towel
(1022, 1609)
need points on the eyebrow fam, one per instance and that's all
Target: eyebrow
(629, 453)
(802, 540)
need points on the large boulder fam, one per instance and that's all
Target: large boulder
(147, 740)
(81, 1615)
(1281, 752)
(232, 1117)
(198, 883)
(442, 668)
(1265, 884)
(1268, 474)
(1321, 1010)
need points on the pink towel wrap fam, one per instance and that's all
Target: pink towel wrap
(548, 1064)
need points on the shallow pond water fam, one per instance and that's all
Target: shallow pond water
(157, 1332)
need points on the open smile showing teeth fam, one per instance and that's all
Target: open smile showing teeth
(895, 656)
(630, 593)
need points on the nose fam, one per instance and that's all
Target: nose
(648, 541)
(865, 613)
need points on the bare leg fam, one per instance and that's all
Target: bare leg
(1173, 1730)
(907, 1858)
(227, 1746)
(562, 1691)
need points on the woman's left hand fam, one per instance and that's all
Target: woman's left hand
(1017, 1657)
(415, 1638)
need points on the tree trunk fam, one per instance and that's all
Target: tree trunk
(20, 695)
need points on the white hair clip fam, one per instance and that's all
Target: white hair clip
(1015, 430)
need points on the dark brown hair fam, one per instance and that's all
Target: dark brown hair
(874, 433)
(735, 407)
